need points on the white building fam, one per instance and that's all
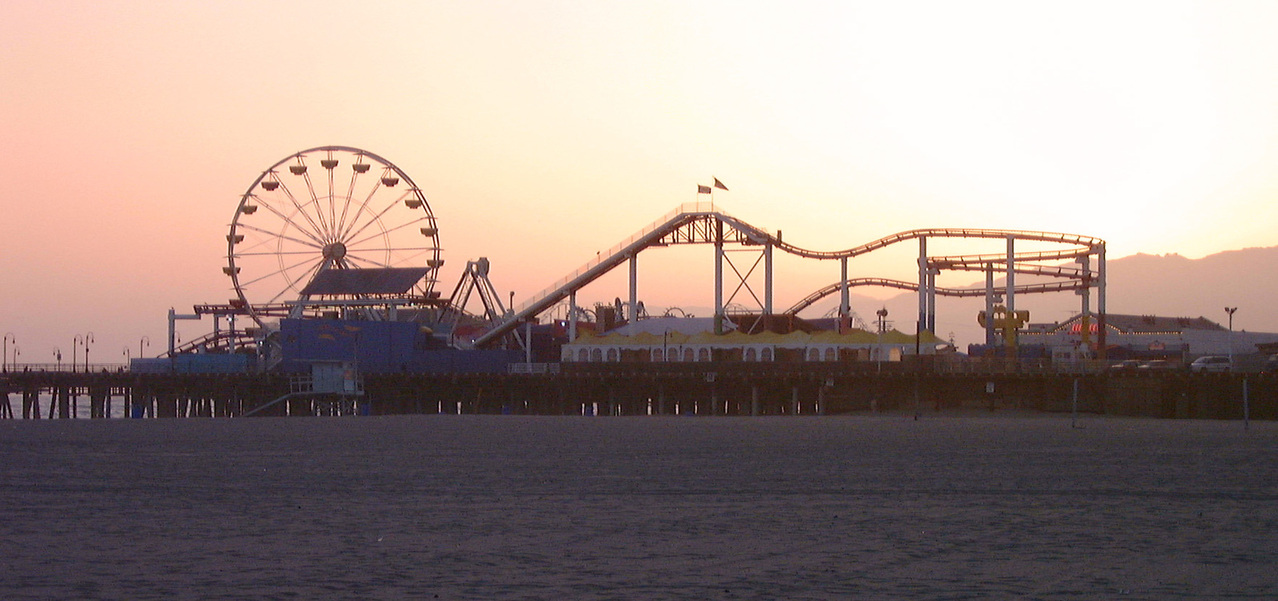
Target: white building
(1186, 337)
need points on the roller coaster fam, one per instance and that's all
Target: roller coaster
(704, 223)
(336, 231)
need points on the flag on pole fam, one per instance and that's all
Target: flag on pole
(718, 184)
(703, 189)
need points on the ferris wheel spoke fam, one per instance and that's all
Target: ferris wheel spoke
(274, 253)
(292, 285)
(377, 220)
(351, 259)
(410, 259)
(355, 227)
(283, 270)
(385, 232)
(313, 243)
(315, 202)
(332, 208)
(375, 249)
(316, 231)
(350, 194)
(346, 226)
(399, 261)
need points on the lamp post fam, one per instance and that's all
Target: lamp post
(57, 357)
(87, 339)
(882, 313)
(75, 346)
(4, 362)
(1230, 339)
(144, 340)
(17, 352)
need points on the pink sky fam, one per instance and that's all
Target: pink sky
(544, 131)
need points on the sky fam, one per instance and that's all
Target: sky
(544, 131)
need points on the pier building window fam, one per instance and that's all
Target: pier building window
(703, 354)
(814, 354)
(765, 354)
(750, 355)
(596, 355)
(614, 355)
(830, 355)
(688, 355)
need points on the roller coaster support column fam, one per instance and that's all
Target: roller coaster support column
(767, 278)
(718, 276)
(931, 299)
(1010, 301)
(572, 316)
(989, 304)
(922, 322)
(634, 288)
(845, 304)
(1100, 301)
(1084, 320)
(173, 317)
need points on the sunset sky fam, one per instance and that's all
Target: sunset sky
(542, 132)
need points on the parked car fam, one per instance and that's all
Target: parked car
(1128, 365)
(1158, 364)
(1211, 363)
(1271, 365)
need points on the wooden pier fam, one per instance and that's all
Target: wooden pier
(701, 389)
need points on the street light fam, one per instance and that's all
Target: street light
(882, 313)
(75, 345)
(87, 339)
(1230, 339)
(145, 340)
(57, 356)
(4, 362)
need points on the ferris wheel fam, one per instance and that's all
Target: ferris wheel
(324, 209)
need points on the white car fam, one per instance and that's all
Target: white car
(1212, 363)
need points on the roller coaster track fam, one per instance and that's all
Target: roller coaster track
(811, 299)
(699, 223)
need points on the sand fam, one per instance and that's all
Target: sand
(512, 507)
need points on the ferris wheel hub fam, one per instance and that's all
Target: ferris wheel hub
(335, 251)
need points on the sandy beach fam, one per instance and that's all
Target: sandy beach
(511, 507)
